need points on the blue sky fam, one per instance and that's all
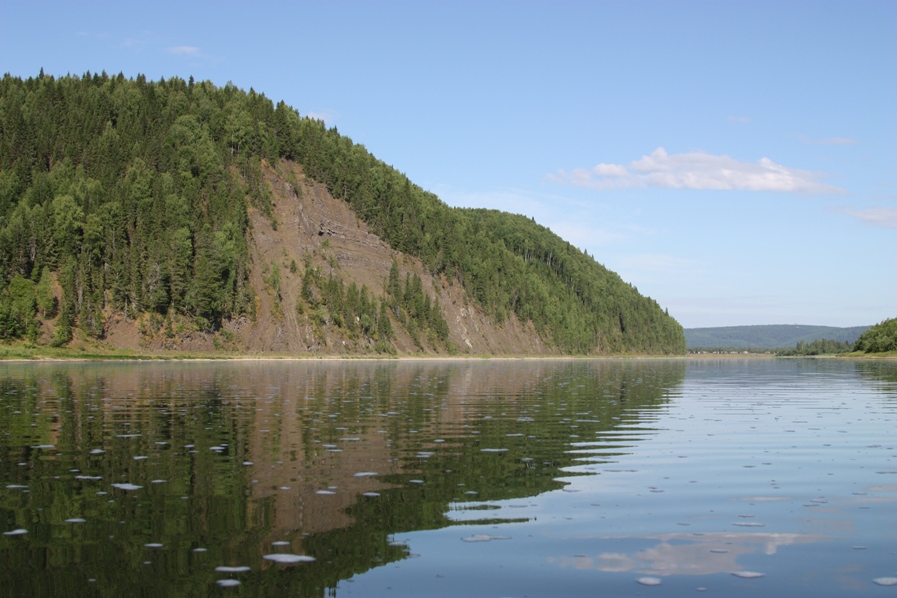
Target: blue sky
(736, 161)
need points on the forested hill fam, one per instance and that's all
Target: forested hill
(124, 198)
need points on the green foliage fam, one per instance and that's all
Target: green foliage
(412, 307)
(817, 347)
(130, 186)
(350, 309)
(879, 338)
(18, 310)
(46, 301)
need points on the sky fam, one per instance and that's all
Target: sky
(734, 160)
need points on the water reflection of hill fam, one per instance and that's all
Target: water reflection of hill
(253, 453)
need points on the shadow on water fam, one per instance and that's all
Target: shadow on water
(141, 479)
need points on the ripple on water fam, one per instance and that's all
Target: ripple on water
(228, 583)
(127, 486)
(748, 574)
(648, 581)
(886, 581)
(289, 559)
(240, 569)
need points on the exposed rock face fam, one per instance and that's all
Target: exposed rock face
(308, 225)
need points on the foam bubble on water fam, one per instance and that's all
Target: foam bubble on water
(415, 481)
(365, 474)
(16, 532)
(886, 581)
(15, 487)
(127, 486)
(153, 545)
(280, 543)
(158, 481)
(493, 450)
(200, 549)
(88, 477)
(371, 494)
(228, 583)
(289, 559)
(76, 520)
(748, 574)
(325, 492)
(140, 457)
(648, 581)
(241, 569)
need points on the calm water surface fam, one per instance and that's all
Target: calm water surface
(494, 478)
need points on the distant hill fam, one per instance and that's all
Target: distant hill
(773, 336)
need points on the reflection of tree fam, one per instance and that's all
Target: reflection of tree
(880, 374)
(283, 431)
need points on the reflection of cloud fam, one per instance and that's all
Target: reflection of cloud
(697, 170)
(688, 554)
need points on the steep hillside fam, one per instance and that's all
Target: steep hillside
(181, 215)
(774, 336)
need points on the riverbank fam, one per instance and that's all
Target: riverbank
(24, 352)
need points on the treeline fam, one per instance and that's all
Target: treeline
(134, 196)
(821, 346)
(414, 310)
(125, 190)
(879, 338)
(354, 311)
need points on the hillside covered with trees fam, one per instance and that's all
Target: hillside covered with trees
(880, 338)
(125, 197)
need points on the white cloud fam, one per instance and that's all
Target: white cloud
(829, 141)
(697, 170)
(184, 50)
(883, 217)
(655, 262)
(327, 115)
